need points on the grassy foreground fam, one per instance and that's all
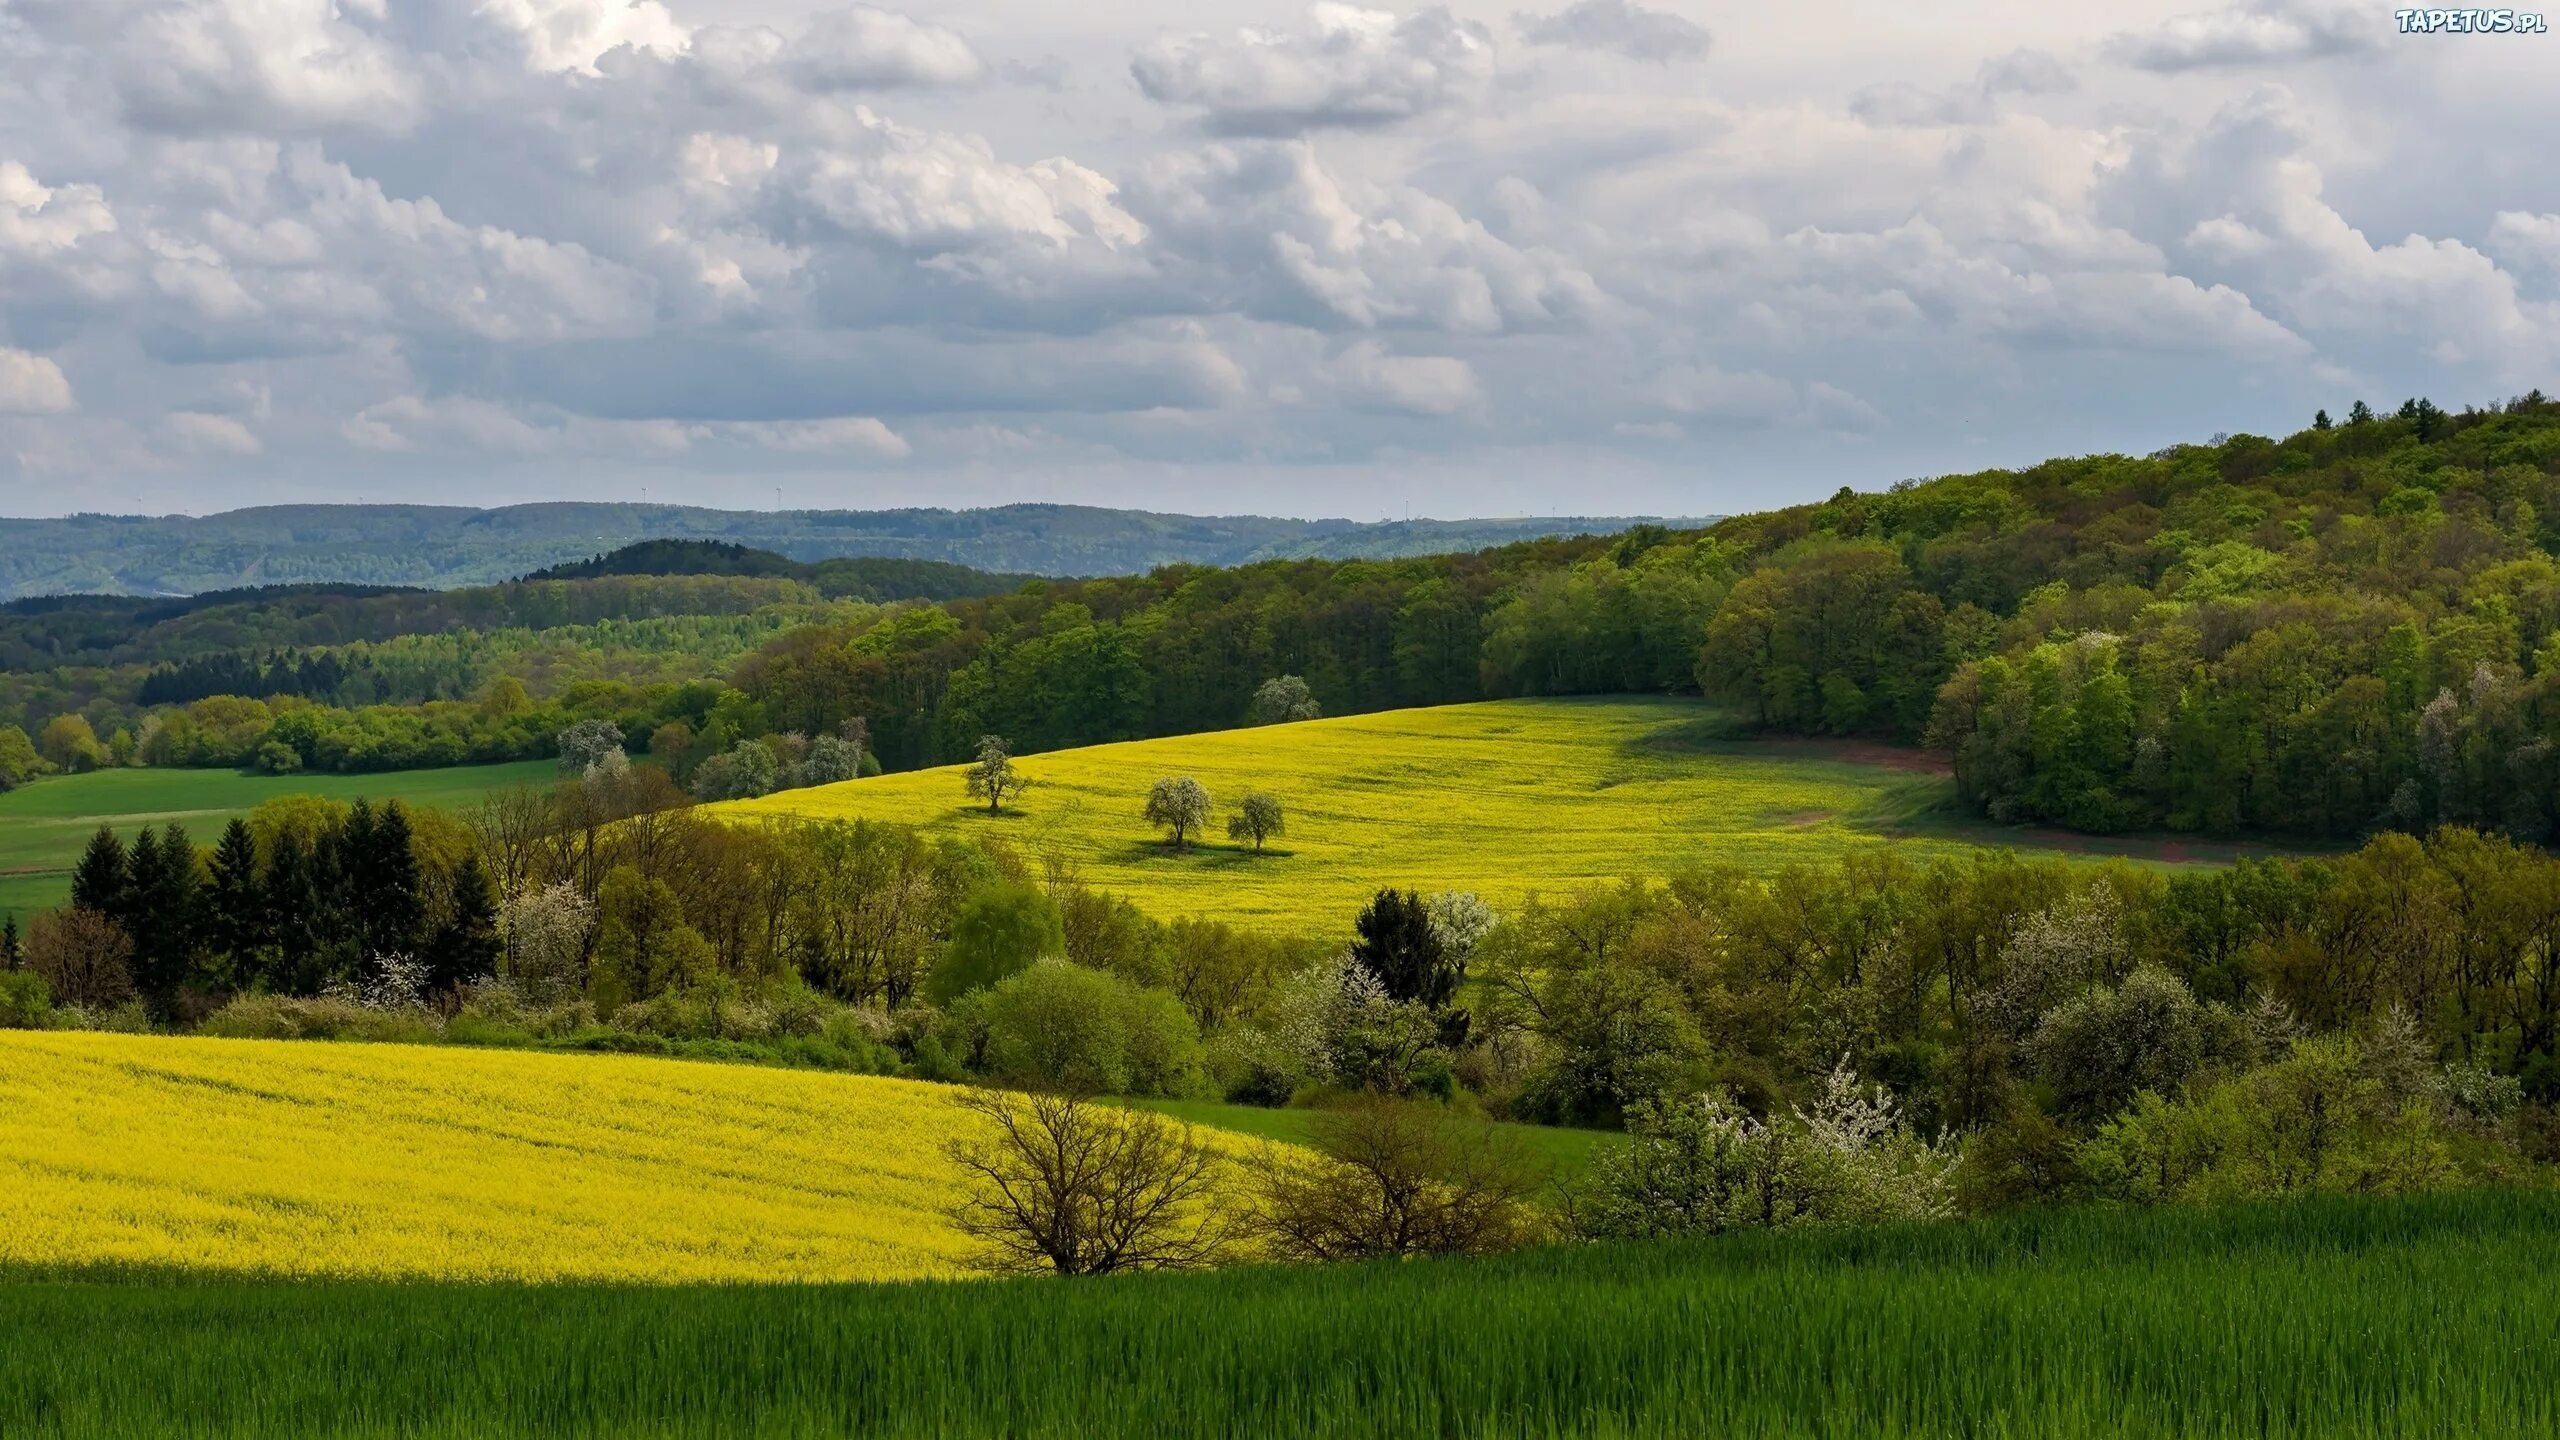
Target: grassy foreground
(1503, 797)
(43, 825)
(2337, 1318)
(302, 1158)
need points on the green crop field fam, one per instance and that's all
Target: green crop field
(1564, 1154)
(43, 825)
(1502, 797)
(2431, 1316)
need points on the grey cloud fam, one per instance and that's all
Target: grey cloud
(1621, 26)
(2255, 32)
(2020, 72)
(1351, 68)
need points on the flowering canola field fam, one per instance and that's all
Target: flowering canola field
(1501, 797)
(300, 1158)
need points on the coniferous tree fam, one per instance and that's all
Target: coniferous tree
(13, 953)
(466, 945)
(294, 905)
(388, 896)
(1398, 945)
(98, 881)
(2320, 421)
(2359, 413)
(239, 928)
(161, 901)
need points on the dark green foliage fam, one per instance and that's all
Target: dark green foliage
(466, 944)
(162, 914)
(239, 926)
(2327, 1318)
(1398, 945)
(98, 882)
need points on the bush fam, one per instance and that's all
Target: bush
(327, 1017)
(1000, 930)
(1061, 1026)
(26, 1002)
(1250, 1067)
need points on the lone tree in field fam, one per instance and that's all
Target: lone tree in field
(1282, 700)
(1067, 1186)
(1179, 804)
(1257, 819)
(992, 778)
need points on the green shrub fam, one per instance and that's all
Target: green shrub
(1000, 931)
(1060, 1024)
(283, 1017)
(26, 1002)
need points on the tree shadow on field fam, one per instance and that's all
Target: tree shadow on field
(1201, 854)
(966, 813)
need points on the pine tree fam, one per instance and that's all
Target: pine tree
(2320, 421)
(238, 925)
(161, 901)
(98, 881)
(1398, 945)
(466, 945)
(2360, 413)
(294, 913)
(13, 954)
(388, 896)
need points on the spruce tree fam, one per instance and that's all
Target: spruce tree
(161, 901)
(13, 954)
(238, 926)
(1399, 947)
(294, 913)
(389, 897)
(98, 881)
(466, 945)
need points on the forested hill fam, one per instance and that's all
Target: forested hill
(852, 577)
(440, 546)
(2354, 627)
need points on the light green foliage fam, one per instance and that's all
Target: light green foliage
(1180, 805)
(999, 931)
(1061, 1026)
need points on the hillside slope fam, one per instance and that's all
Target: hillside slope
(404, 1162)
(1502, 797)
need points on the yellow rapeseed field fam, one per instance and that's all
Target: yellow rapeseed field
(308, 1159)
(1502, 797)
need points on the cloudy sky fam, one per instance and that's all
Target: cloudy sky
(1667, 256)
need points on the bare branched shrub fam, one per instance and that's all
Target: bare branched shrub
(1394, 1177)
(1067, 1186)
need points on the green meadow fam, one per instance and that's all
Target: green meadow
(43, 825)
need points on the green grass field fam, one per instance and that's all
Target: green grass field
(2424, 1317)
(1504, 798)
(43, 825)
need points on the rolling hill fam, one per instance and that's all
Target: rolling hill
(1502, 797)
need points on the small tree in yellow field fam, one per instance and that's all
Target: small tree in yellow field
(1257, 819)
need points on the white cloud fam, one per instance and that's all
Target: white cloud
(1622, 26)
(844, 435)
(575, 34)
(212, 434)
(1352, 68)
(1434, 386)
(2256, 32)
(274, 66)
(32, 385)
(867, 48)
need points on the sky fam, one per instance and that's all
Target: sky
(1219, 256)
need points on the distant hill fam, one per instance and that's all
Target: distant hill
(857, 577)
(446, 546)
